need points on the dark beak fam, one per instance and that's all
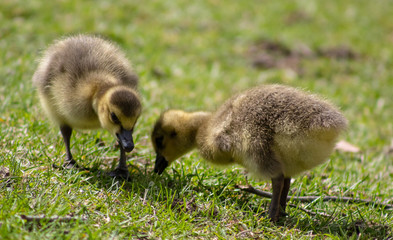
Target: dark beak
(160, 165)
(125, 139)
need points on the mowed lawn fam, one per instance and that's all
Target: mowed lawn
(193, 55)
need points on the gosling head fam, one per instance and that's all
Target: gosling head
(118, 112)
(172, 137)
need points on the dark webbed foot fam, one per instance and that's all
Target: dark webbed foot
(283, 214)
(120, 173)
(276, 215)
(70, 164)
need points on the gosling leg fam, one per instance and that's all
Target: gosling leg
(121, 171)
(66, 132)
(284, 195)
(275, 207)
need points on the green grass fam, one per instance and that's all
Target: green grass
(193, 55)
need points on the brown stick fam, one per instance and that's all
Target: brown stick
(38, 219)
(253, 190)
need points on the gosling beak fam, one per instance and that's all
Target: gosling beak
(160, 165)
(125, 139)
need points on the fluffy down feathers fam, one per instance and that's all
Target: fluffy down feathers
(273, 131)
(86, 82)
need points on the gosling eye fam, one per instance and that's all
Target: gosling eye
(173, 134)
(114, 118)
(160, 142)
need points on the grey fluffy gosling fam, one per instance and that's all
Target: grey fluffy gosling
(274, 131)
(85, 82)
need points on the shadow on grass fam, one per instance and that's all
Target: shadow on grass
(180, 190)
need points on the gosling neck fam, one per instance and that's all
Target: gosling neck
(100, 86)
(196, 121)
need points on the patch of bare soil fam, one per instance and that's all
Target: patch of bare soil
(339, 52)
(297, 17)
(267, 54)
